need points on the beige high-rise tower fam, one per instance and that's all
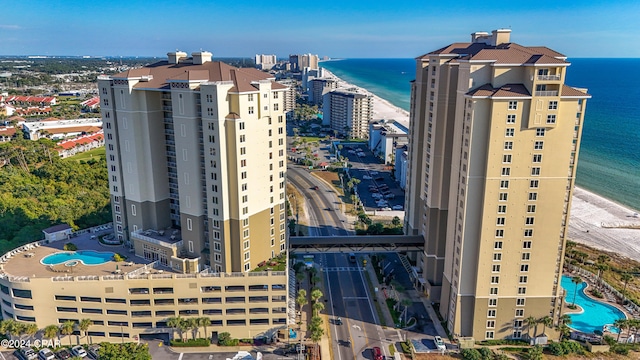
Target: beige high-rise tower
(196, 151)
(494, 142)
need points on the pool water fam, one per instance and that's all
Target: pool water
(596, 314)
(87, 257)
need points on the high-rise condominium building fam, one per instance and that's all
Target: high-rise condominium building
(301, 61)
(196, 149)
(348, 112)
(265, 62)
(494, 142)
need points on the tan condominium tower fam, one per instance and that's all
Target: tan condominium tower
(494, 142)
(196, 153)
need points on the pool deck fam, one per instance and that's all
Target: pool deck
(27, 262)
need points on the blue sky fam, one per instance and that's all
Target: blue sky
(345, 29)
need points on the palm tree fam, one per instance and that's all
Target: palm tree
(30, 329)
(7, 326)
(84, 325)
(317, 307)
(545, 321)
(603, 258)
(602, 267)
(301, 300)
(51, 331)
(204, 322)
(531, 321)
(316, 294)
(626, 278)
(176, 323)
(565, 331)
(565, 319)
(192, 324)
(621, 324)
(67, 329)
(576, 280)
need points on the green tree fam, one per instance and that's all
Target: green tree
(51, 331)
(317, 307)
(67, 328)
(621, 324)
(84, 325)
(531, 322)
(316, 294)
(396, 221)
(375, 229)
(626, 278)
(486, 353)
(177, 324)
(545, 321)
(471, 354)
(602, 267)
(577, 280)
(535, 353)
(192, 325)
(204, 322)
(301, 300)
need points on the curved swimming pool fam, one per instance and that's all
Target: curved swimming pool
(87, 257)
(595, 314)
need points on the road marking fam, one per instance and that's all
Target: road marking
(335, 330)
(355, 298)
(180, 357)
(327, 269)
(356, 327)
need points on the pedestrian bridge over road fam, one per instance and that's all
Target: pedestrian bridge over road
(355, 243)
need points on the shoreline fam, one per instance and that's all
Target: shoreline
(589, 210)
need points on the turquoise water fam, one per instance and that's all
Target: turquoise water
(610, 153)
(87, 257)
(596, 313)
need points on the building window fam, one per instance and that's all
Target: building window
(551, 119)
(491, 313)
(506, 171)
(495, 279)
(491, 324)
(133, 210)
(508, 145)
(499, 233)
(513, 105)
(497, 257)
(540, 131)
(526, 245)
(250, 109)
(502, 209)
(538, 145)
(497, 245)
(500, 221)
(511, 119)
(519, 312)
(529, 220)
(495, 268)
(531, 208)
(250, 97)
(509, 132)
(537, 158)
(242, 138)
(189, 224)
(528, 232)
(488, 335)
(503, 196)
(535, 171)
(524, 268)
(522, 290)
(506, 159)
(526, 256)
(533, 196)
(533, 184)
(504, 184)
(520, 302)
(493, 302)
(553, 105)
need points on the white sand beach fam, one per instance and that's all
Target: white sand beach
(595, 221)
(603, 224)
(382, 109)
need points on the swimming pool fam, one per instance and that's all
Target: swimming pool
(87, 257)
(595, 314)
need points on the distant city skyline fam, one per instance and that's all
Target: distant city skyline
(373, 29)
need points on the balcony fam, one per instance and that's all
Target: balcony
(548, 77)
(546, 93)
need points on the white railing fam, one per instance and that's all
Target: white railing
(548, 77)
(547, 93)
(138, 235)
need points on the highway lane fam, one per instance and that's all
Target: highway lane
(322, 205)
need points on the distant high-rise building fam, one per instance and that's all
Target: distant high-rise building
(494, 142)
(318, 87)
(299, 62)
(348, 112)
(265, 62)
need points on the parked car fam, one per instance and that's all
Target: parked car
(379, 178)
(93, 352)
(366, 177)
(439, 343)
(316, 187)
(376, 196)
(338, 321)
(373, 172)
(46, 354)
(377, 354)
(385, 209)
(63, 354)
(385, 192)
(26, 354)
(389, 196)
(398, 207)
(80, 351)
(373, 190)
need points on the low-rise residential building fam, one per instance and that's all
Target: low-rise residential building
(401, 164)
(7, 133)
(91, 104)
(81, 144)
(59, 129)
(385, 136)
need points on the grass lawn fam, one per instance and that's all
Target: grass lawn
(95, 153)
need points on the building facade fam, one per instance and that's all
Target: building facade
(265, 62)
(494, 142)
(318, 87)
(348, 112)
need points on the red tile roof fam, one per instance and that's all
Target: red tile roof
(91, 102)
(508, 53)
(507, 90)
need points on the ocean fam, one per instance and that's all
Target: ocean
(609, 160)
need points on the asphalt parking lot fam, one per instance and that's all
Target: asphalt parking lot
(375, 179)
